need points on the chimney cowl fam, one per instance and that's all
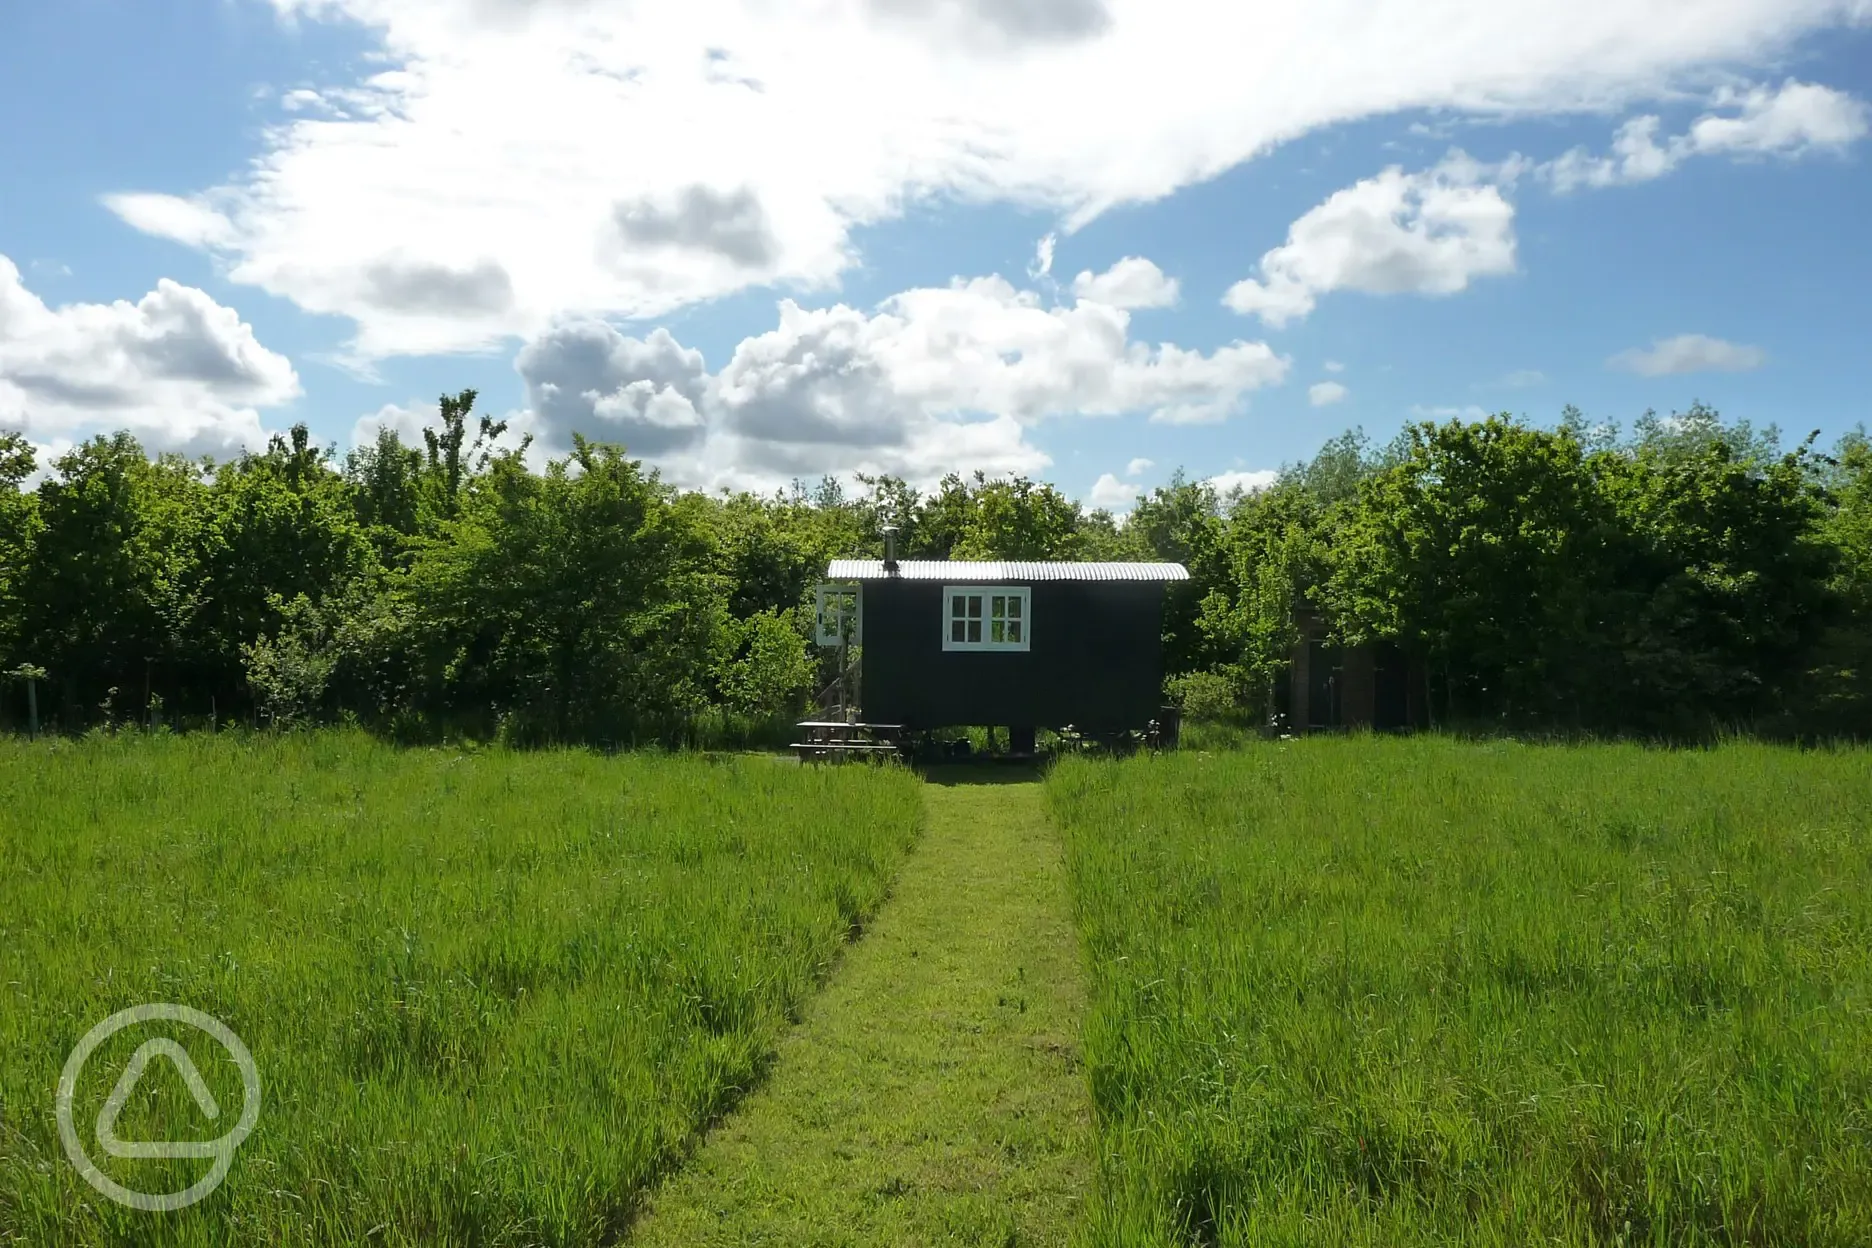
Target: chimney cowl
(890, 548)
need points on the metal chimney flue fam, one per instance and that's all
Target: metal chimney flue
(890, 548)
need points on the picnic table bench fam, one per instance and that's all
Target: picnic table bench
(839, 739)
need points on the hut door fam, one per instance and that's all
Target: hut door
(839, 615)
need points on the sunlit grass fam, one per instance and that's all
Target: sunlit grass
(491, 995)
(1416, 991)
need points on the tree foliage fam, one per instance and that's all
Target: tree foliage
(1687, 576)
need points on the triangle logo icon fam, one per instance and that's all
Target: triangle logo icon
(126, 1084)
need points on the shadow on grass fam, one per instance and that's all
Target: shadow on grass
(1011, 771)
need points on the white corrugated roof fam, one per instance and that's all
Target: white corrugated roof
(1002, 570)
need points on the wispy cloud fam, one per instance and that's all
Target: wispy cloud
(1793, 120)
(1689, 353)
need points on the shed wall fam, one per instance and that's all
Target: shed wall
(1096, 660)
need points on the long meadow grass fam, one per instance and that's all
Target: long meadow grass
(1357, 991)
(491, 996)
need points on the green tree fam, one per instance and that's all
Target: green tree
(19, 530)
(1483, 550)
(277, 527)
(1835, 694)
(1272, 547)
(578, 603)
(386, 482)
(1016, 519)
(111, 573)
(452, 458)
(1181, 522)
(769, 671)
(1725, 576)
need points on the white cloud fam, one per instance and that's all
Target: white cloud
(1427, 233)
(406, 421)
(1112, 494)
(1522, 378)
(1133, 282)
(1334, 366)
(1226, 483)
(1793, 120)
(190, 222)
(932, 379)
(300, 99)
(1139, 466)
(1689, 353)
(629, 159)
(1325, 393)
(177, 369)
(1043, 257)
(409, 420)
(1797, 118)
(587, 377)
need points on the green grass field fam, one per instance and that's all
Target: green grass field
(1337, 991)
(491, 996)
(1416, 991)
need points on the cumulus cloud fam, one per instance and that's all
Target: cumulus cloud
(1791, 121)
(1326, 393)
(409, 420)
(1249, 482)
(1689, 353)
(536, 135)
(175, 368)
(979, 345)
(1334, 366)
(1427, 233)
(589, 378)
(930, 380)
(1139, 466)
(1111, 493)
(1133, 282)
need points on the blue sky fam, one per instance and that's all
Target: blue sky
(230, 215)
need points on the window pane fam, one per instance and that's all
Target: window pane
(974, 606)
(997, 630)
(955, 606)
(1014, 631)
(999, 609)
(955, 630)
(974, 628)
(1014, 607)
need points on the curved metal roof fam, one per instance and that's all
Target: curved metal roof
(1013, 571)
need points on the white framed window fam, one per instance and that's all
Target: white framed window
(837, 618)
(987, 617)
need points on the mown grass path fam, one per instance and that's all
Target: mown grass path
(933, 1093)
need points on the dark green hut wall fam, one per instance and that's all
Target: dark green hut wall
(1096, 660)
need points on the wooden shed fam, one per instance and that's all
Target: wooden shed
(1021, 645)
(1376, 686)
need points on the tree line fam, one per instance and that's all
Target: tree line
(1689, 576)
